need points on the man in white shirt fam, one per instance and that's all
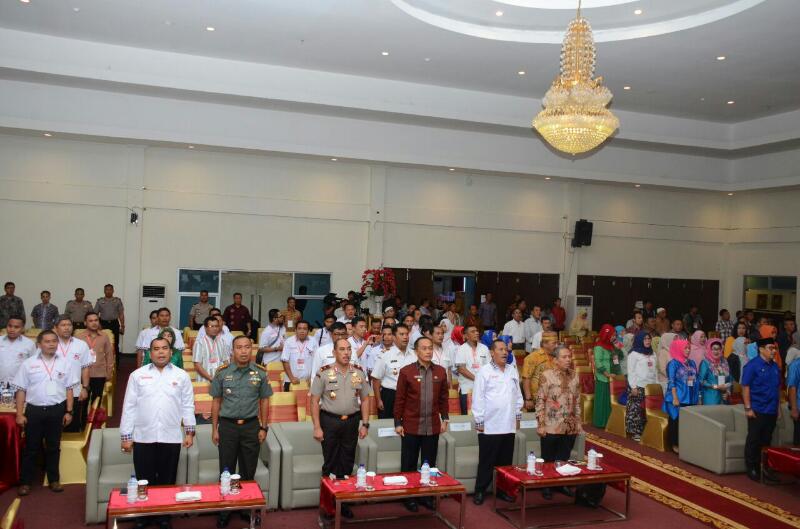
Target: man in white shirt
(15, 348)
(77, 352)
(378, 346)
(496, 408)
(387, 368)
(547, 326)
(440, 356)
(323, 335)
(141, 346)
(349, 313)
(325, 356)
(210, 351)
(357, 340)
(157, 418)
(297, 354)
(45, 384)
(270, 344)
(470, 357)
(148, 335)
(225, 333)
(533, 325)
(516, 329)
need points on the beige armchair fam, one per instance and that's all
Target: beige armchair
(107, 468)
(203, 463)
(460, 456)
(528, 439)
(382, 454)
(713, 437)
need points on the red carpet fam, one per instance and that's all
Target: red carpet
(698, 497)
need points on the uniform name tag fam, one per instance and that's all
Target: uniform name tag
(459, 426)
(529, 424)
(51, 388)
(387, 432)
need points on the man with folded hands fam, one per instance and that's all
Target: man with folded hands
(420, 411)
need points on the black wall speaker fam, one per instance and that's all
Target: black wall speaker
(583, 233)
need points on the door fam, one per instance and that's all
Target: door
(261, 291)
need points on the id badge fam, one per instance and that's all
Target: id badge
(616, 360)
(690, 382)
(476, 366)
(51, 388)
(650, 363)
(301, 361)
(93, 354)
(721, 380)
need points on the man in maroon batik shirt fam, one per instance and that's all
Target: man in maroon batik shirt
(237, 316)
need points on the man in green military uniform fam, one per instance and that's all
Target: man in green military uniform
(239, 414)
(339, 395)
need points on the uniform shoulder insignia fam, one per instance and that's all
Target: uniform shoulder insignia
(262, 368)
(222, 368)
(325, 368)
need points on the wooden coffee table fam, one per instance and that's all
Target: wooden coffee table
(515, 481)
(161, 501)
(335, 493)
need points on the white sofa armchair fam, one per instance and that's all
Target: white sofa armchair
(713, 437)
(528, 439)
(460, 452)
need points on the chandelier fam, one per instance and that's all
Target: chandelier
(575, 118)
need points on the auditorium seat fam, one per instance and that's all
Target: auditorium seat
(301, 464)
(461, 451)
(74, 445)
(616, 421)
(274, 371)
(380, 450)
(527, 439)
(283, 407)
(203, 463)
(108, 468)
(586, 377)
(656, 429)
(713, 437)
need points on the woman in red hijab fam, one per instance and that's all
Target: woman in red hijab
(603, 354)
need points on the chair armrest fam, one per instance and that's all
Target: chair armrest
(271, 456)
(93, 465)
(520, 440)
(371, 448)
(287, 478)
(193, 463)
(701, 440)
(450, 460)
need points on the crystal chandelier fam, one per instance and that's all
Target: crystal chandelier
(575, 118)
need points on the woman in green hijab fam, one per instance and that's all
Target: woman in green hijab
(177, 354)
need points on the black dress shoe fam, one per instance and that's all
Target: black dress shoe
(411, 505)
(427, 503)
(164, 524)
(769, 475)
(754, 475)
(140, 524)
(477, 499)
(503, 496)
(547, 494)
(245, 515)
(563, 490)
(346, 512)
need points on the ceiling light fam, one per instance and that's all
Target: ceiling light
(76, 9)
(547, 178)
(334, 159)
(498, 13)
(730, 194)
(47, 134)
(575, 118)
(702, 99)
(168, 22)
(721, 58)
(626, 87)
(384, 53)
(731, 102)
(521, 72)
(451, 169)
(638, 12)
(191, 146)
(427, 59)
(210, 28)
(25, 1)
(638, 185)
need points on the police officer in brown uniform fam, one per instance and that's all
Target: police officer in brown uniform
(339, 394)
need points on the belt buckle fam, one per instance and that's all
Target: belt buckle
(240, 421)
(343, 417)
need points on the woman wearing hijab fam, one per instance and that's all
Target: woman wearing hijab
(740, 345)
(735, 360)
(698, 346)
(681, 386)
(580, 325)
(603, 354)
(715, 375)
(642, 370)
(663, 357)
(177, 354)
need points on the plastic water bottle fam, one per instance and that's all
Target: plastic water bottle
(133, 487)
(361, 477)
(425, 474)
(225, 482)
(531, 467)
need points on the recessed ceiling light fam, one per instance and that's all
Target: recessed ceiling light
(168, 22)
(451, 169)
(76, 9)
(25, 1)
(626, 87)
(702, 99)
(731, 102)
(384, 53)
(191, 146)
(47, 134)
(521, 72)
(334, 159)
(721, 58)
(547, 178)
(638, 185)
(498, 13)
(637, 12)
(427, 59)
(210, 28)
(730, 194)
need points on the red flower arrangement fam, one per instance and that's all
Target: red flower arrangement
(379, 282)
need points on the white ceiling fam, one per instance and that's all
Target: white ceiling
(669, 74)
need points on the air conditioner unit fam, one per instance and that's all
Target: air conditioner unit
(578, 303)
(153, 297)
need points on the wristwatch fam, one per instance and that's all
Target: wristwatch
(365, 425)
(68, 412)
(264, 428)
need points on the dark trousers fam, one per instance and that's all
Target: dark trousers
(113, 326)
(79, 412)
(238, 443)
(96, 385)
(759, 435)
(493, 451)
(672, 427)
(387, 396)
(340, 438)
(156, 462)
(411, 446)
(462, 403)
(557, 447)
(44, 424)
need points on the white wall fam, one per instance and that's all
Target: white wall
(64, 211)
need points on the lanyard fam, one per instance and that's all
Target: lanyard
(437, 355)
(212, 345)
(49, 370)
(474, 354)
(89, 341)
(301, 350)
(65, 351)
